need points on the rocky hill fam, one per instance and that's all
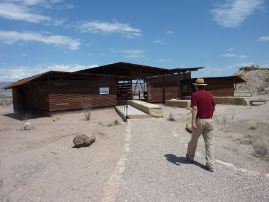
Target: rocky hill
(257, 80)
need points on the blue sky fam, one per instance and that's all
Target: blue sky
(63, 35)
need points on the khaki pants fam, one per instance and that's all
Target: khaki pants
(204, 127)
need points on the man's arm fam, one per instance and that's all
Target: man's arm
(194, 115)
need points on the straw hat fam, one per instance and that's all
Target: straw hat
(199, 82)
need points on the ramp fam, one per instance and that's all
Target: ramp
(130, 112)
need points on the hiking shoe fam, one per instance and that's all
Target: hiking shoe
(188, 159)
(211, 169)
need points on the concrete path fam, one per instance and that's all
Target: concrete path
(154, 168)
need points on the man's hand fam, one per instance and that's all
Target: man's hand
(194, 125)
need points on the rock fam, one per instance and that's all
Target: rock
(27, 126)
(83, 140)
(189, 128)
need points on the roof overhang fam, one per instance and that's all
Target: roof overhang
(59, 74)
(134, 70)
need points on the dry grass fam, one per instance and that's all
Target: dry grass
(115, 123)
(260, 140)
(87, 107)
(5, 102)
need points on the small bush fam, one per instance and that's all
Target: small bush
(252, 128)
(27, 126)
(171, 117)
(5, 102)
(116, 122)
(87, 106)
(260, 141)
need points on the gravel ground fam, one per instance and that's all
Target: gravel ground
(143, 160)
(41, 165)
(156, 170)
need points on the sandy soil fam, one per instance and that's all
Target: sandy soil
(233, 129)
(42, 165)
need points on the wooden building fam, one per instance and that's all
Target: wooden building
(56, 91)
(107, 85)
(221, 86)
(159, 84)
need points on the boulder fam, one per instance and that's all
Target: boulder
(27, 126)
(83, 140)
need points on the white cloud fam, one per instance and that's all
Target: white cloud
(243, 56)
(264, 38)
(229, 55)
(129, 53)
(230, 49)
(105, 27)
(234, 12)
(20, 12)
(30, 10)
(10, 37)
(169, 32)
(69, 68)
(21, 72)
(159, 42)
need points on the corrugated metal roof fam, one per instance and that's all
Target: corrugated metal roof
(124, 65)
(24, 81)
(235, 79)
(58, 73)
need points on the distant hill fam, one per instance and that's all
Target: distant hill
(3, 84)
(257, 80)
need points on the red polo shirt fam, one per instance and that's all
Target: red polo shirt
(205, 103)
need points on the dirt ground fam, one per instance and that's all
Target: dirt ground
(42, 165)
(235, 129)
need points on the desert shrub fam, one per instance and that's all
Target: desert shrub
(116, 122)
(27, 125)
(5, 102)
(171, 117)
(87, 105)
(260, 140)
(252, 128)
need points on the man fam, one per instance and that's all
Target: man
(203, 107)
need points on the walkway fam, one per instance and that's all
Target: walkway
(155, 170)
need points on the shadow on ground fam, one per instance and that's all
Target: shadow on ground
(182, 160)
(22, 117)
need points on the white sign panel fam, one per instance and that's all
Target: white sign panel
(104, 91)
